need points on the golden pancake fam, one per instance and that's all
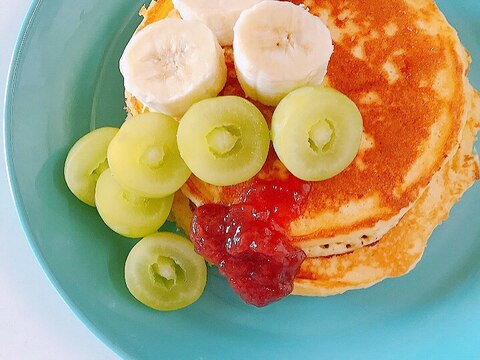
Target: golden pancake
(405, 68)
(406, 71)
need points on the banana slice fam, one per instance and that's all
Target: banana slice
(172, 64)
(219, 15)
(278, 48)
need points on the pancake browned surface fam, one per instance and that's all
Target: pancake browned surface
(404, 67)
(409, 85)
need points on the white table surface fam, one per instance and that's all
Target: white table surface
(35, 323)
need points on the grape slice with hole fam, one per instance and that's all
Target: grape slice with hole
(144, 156)
(86, 161)
(164, 272)
(316, 132)
(224, 140)
(127, 213)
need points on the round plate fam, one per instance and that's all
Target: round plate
(64, 81)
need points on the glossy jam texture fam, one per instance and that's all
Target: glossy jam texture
(248, 241)
(283, 199)
(249, 249)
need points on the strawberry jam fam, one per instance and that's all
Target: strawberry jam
(248, 241)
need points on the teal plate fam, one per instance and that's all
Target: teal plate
(64, 82)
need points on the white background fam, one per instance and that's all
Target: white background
(35, 323)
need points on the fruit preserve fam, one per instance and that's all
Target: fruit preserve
(248, 241)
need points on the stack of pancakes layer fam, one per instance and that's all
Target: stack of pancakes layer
(405, 68)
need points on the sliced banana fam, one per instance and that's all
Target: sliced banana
(172, 64)
(278, 48)
(219, 15)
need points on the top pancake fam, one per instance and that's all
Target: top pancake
(404, 67)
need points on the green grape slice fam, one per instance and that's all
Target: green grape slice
(316, 132)
(127, 213)
(86, 161)
(163, 272)
(224, 140)
(144, 156)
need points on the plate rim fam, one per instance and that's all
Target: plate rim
(9, 97)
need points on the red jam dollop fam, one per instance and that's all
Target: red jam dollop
(248, 241)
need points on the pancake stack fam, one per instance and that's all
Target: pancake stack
(406, 70)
